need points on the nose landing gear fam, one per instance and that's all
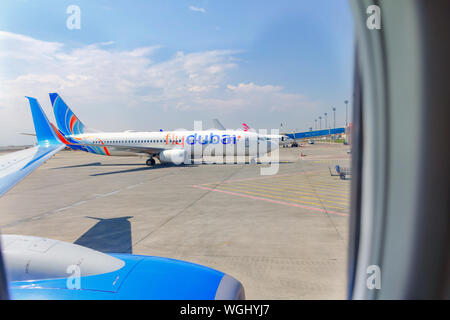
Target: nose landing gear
(150, 162)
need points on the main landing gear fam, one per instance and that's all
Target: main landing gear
(150, 162)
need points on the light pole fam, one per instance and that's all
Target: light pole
(334, 118)
(346, 113)
(320, 122)
(326, 120)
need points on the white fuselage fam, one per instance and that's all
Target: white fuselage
(195, 143)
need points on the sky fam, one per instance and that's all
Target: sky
(163, 64)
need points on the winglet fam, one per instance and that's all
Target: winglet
(44, 132)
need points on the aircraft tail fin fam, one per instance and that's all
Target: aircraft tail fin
(61, 136)
(44, 132)
(218, 125)
(246, 127)
(67, 121)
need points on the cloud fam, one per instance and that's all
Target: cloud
(249, 96)
(98, 72)
(251, 87)
(108, 85)
(197, 9)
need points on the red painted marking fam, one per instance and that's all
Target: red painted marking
(273, 201)
(104, 148)
(73, 119)
(60, 136)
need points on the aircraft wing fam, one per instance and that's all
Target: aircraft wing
(17, 165)
(28, 134)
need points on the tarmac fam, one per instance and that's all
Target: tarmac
(284, 236)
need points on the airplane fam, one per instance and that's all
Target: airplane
(284, 140)
(167, 146)
(41, 268)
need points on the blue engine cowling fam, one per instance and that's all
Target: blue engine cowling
(39, 268)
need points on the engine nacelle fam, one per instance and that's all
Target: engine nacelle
(176, 156)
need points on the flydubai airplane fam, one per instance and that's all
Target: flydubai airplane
(41, 268)
(167, 146)
(283, 139)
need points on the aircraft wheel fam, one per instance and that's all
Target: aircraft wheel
(150, 162)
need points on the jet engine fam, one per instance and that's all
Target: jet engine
(176, 156)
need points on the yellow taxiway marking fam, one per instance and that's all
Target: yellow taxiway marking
(285, 198)
(295, 190)
(325, 183)
(308, 187)
(270, 190)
